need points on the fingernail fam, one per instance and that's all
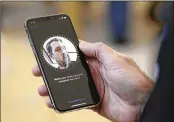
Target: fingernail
(40, 88)
(48, 102)
(35, 69)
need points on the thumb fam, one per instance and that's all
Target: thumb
(97, 50)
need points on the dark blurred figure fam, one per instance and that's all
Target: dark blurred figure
(153, 10)
(160, 106)
(155, 15)
(118, 17)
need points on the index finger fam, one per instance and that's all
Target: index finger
(36, 71)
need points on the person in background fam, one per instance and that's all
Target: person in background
(159, 107)
(118, 11)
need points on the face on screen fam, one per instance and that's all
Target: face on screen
(64, 67)
(59, 52)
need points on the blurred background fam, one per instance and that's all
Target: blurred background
(128, 27)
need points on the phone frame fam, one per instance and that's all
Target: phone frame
(41, 69)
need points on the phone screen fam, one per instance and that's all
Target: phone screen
(63, 65)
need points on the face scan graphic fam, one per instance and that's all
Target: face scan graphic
(57, 51)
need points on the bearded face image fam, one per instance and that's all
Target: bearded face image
(58, 51)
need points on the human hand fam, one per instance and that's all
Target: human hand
(121, 84)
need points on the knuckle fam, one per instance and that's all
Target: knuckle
(130, 59)
(100, 45)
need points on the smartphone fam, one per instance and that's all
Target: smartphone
(63, 66)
